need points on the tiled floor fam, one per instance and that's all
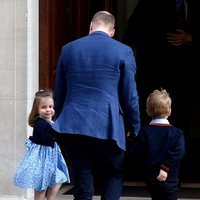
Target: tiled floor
(65, 188)
(62, 196)
(69, 197)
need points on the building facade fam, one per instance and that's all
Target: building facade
(27, 46)
(18, 82)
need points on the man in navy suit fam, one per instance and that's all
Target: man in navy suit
(95, 90)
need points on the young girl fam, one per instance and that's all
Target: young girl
(43, 167)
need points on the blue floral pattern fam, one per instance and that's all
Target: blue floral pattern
(41, 167)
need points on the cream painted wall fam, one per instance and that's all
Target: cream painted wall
(18, 82)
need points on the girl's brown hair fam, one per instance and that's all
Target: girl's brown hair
(34, 111)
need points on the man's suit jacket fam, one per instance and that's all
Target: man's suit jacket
(95, 89)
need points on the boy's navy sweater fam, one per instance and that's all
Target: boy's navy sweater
(163, 147)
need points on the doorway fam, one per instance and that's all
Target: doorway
(65, 20)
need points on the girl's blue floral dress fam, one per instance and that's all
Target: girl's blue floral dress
(41, 167)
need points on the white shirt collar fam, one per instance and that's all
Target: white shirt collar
(50, 121)
(159, 121)
(102, 30)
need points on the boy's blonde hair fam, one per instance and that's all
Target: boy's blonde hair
(158, 104)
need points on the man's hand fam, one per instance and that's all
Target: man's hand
(179, 37)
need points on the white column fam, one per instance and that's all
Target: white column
(19, 50)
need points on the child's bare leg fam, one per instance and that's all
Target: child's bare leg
(52, 192)
(39, 195)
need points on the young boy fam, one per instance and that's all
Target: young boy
(163, 147)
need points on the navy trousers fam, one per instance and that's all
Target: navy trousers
(159, 190)
(89, 156)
